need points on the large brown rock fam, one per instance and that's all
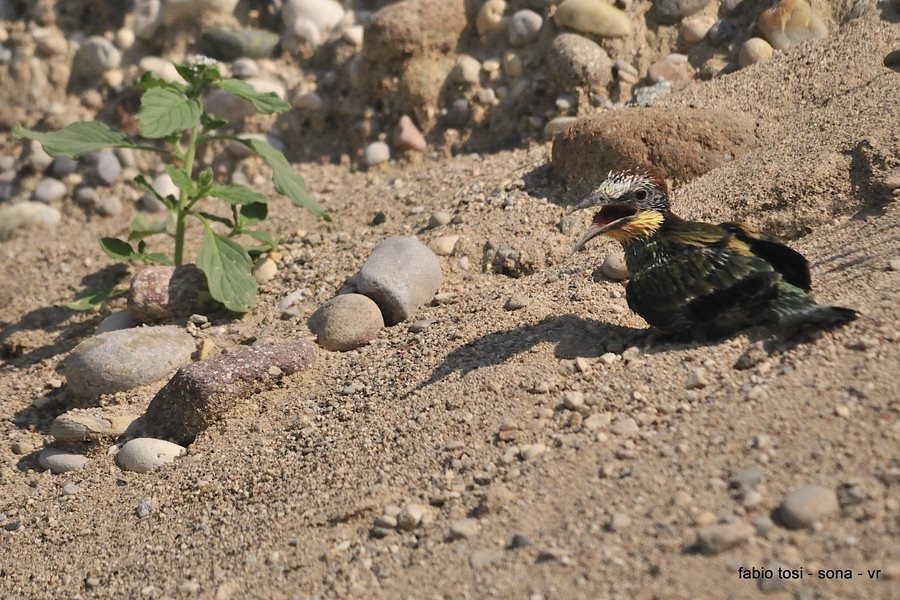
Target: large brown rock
(414, 27)
(162, 293)
(201, 393)
(679, 143)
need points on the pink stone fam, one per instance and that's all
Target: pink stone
(670, 71)
(408, 137)
(694, 29)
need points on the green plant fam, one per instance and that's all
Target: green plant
(173, 114)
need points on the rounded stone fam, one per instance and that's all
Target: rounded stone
(346, 322)
(790, 23)
(264, 270)
(408, 137)
(26, 214)
(122, 360)
(614, 266)
(576, 61)
(49, 190)
(376, 153)
(59, 461)
(244, 68)
(160, 293)
(524, 27)
(400, 275)
(672, 11)
(804, 506)
(593, 16)
(444, 245)
(722, 31)
(490, 16)
(458, 114)
(439, 218)
(109, 206)
(466, 70)
(108, 167)
(118, 320)
(62, 166)
(324, 14)
(143, 455)
(95, 56)
(753, 51)
(306, 100)
(694, 29)
(670, 69)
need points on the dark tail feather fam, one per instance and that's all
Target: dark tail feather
(817, 316)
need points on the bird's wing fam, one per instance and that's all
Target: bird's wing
(704, 274)
(791, 264)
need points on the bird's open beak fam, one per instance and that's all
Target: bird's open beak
(610, 217)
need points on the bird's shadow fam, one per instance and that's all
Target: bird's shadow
(574, 337)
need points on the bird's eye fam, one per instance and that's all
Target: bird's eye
(641, 194)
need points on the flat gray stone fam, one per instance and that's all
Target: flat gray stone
(804, 506)
(201, 393)
(400, 275)
(60, 461)
(714, 539)
(128, 358)
(49, 190)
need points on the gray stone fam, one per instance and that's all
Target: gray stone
(467, 70)
(96, 56)
(714, 539)
(648, 95)
(87, 198)
(576, 61)
(614, 266)
(458, 114)
(325, 14)
(244, 68)
(804, 506)
(60, 461)
(108, 168)
(201, 393)
(109, 206)
(26, 214)
(226, 106)
(125, 359)
(400, 275)
(438, 219)
(748, 478)
(464, 529)
(516, 301)
(524, 27)
(626, 426)
(49, 190)
(62, 166)
(70, 489)
(346, 322)
(411, 516)
(376, 153)
(38, 157)
(142, 455)
(672, 11)
(722, 31)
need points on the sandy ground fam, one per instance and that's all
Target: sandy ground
(278, 501)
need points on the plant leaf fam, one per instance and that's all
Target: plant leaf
(227, 266)
(287, 181)
(181, 180)
(165, 111)
(253, 213)
(156, 258)
(263, 237)
(89, 298)
(75, 139)
(116, 248)
(150, 80)
(211, 217)
(211, 123)
(205, 178)
(141, 228)
(267, 103)
(145, 185)
(236, 193)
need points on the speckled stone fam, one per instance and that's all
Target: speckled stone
(346, 322)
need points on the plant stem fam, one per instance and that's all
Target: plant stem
(183, 196)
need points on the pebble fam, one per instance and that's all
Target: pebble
(763, 525)
(201, 393)
(614, 267)
(790, 23)
(531, 451)
(145, 508)
(516, 302)
(752, 356)
(264, 269)
(110, 206)
(694, 29)
(160, 67)
(95, 56)
(697, 379)
(591, 16)
(21, 447)
(324, 14)
(444, 245)
(626, 426)
(60, 461)
(108, 168)
(122, 360)
(519, 540)
(466, 70)
(291, 299)
(464, 529)
(573, 400)
(490, 16)
(400, 275)
(458, 114)
(245, 68)
(753, 51)
(597, 421)
(227, 106)
(49, 190)
(618, 521)
(894, 264)
(376, 153)
(38, 157)
(484, 558)
(162, 293)
(671, 68)
(27, 214)
(411, 516)
(164, 186)
(714, 539)
(346, 322)
(648, 95)
(524, 27)
(804, 506)
(142, 455)
(439, 218)
(62, 166)
(408, 137)
(421, 325)
(576, 61)
(92, 424)
(673, 11)
(748, 478)
(70, 489)
(558, 125)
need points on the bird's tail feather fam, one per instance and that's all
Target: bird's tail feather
(796, 308)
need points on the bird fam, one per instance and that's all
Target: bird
(698, 279)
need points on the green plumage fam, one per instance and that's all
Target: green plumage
(700, 278)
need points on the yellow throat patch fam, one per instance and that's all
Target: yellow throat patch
(643, 224)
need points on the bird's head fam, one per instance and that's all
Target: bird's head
(632, 204)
